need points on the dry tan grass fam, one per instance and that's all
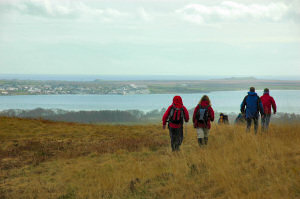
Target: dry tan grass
(41, 159)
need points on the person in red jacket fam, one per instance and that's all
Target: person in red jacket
(203, 115)
(175, 115)
(267, 102)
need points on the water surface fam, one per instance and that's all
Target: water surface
(222, 101)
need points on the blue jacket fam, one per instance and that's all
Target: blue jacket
(253, 105)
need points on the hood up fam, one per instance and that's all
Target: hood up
(177, 102)
(204, 103)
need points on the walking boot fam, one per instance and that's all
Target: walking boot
(173, 147)
(205, 140)
(200, 142)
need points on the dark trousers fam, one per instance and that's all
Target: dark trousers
(265, 121)
(255, 121)
(176, 135)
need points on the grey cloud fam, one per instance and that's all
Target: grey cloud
(60, 9)
(229, 11)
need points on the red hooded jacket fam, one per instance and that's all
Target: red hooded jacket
(177, 103)
(211, 116)
(267, 102)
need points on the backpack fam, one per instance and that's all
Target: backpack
(245, 103)
(176, 115)
(225, 119)
(202, 115)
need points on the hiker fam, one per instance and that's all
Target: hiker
(267, 102)
(175, 115)
(223, 119)
(203, 115)
(240, 119)
(253, 106)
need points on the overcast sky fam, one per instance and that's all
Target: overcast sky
(150, 37)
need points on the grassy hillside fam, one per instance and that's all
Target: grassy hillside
(41, 159)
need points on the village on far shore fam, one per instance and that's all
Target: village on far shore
(101, 87)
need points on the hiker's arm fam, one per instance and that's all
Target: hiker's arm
(273, 105)
(186, 114)
(194, 115)
(261, 108)
(166, 115)
(243, 105)
(211, 114)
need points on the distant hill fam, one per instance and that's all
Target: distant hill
(238, 78)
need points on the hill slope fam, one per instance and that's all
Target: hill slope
(41, 159)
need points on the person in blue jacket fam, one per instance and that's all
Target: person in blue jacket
(252, 106)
